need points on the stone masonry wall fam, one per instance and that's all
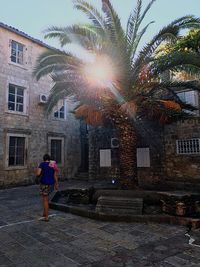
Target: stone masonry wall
(35, 125)
(100, 138)
(150, 135)
(182, 168)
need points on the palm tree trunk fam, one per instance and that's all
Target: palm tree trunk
(127, 145)
(127, 154)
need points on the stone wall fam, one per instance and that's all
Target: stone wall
(181, 168)
(34, 124)
(169, 170)
(100, 138)
(150, 135)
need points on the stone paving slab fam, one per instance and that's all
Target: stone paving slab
(70, 240)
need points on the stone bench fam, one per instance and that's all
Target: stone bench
(119, 205)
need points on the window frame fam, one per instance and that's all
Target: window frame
(188, 147)
(50, 138)
(143, 157)
(16, 167)
(24, 112)
(17, 51)
(58, 108)
(196, 100)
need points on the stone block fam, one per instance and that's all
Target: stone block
(119, 205)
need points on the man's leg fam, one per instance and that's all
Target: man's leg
(46, 206)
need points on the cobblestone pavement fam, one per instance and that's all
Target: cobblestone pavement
(70, 240)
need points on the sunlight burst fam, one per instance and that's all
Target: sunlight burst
(99, 72)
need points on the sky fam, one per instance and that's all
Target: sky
(33, 16)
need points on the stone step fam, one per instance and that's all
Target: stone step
(119, 205)
(82, 176)
(82, 173)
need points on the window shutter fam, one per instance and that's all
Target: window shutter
(105, 157)
(143, 157)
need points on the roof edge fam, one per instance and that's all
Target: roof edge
(25, 35)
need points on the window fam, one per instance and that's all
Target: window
(56, 150)
(17, 52)
(61, 111)
(188, 146)
(16, 151)
(190, 97)
(105, 157)
(143, 157)
(15, 98)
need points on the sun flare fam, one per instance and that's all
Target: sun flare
(99, 72)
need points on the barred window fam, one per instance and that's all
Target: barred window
(188, 146)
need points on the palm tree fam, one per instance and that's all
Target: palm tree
(188, 43)
(115, 83)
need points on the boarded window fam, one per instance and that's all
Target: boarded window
(105, 158)
(143, 157)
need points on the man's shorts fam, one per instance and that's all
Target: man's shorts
(46, 189)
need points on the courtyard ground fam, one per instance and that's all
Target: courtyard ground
(70, 240)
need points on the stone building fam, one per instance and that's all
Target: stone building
(168, 156)
(174, 152)
(26, 133)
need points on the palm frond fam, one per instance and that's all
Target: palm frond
(191, 70)
(169, 33)
(105, 37)
(146, 10)
(52, 61)
(85, 35)
(136, 41)
(187, 22)
(91, 12)
(113, 25)
(133, 21)
(62, 88)
(168, 90)
(174, 60)
(171, 86)
(47, 62)
(59, 33)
